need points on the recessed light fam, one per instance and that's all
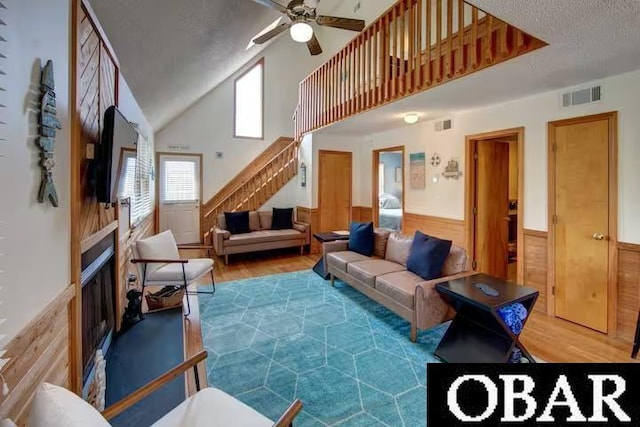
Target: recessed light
(411, 118)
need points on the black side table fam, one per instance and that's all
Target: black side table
(325, 238)
(478, 333)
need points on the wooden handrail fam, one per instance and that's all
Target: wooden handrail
(289, 415)
(414, 46)
(144, 391)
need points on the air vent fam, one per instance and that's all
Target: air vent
(444, 125)
(582, 96)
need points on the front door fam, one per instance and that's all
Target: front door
(492, 208)
(179, 198)
(580, 223)
(334, 190)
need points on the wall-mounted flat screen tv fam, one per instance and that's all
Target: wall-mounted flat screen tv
(117, 133)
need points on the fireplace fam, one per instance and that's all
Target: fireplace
(98, 301)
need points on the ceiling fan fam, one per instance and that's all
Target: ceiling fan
(302, 13)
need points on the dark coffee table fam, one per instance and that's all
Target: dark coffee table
(325, 238)
(478, 333)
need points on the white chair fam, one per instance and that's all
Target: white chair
(55, 406)
(159, 264)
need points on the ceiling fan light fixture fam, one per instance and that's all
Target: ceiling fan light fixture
(411, 118)
(301, 32)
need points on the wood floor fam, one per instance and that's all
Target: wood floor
(548, 338)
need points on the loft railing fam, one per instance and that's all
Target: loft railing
(255, 184)
(414, 46)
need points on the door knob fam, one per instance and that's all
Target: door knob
(598, 236)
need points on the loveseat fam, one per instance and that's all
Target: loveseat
(384, 277)
(260, 238)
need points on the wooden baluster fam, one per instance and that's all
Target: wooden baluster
(375, 100)
(357, 75)
(417, 79)
(326, 91)
(340, 85)
(449, 61)
(505, 49)
(394, 66)
(363, 69)
(335, 90)
(402, 55)
(353, 76)
(488, 39)
(369, 67)
(474, 37)
(386, 53)
(520, 41)
(411, 56)
(428, 14)
(461, 55)
(438, 64)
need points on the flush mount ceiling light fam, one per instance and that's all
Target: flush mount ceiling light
(301, 32)
(411, 118)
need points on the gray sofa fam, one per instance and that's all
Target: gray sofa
(261, 237)
(384, 278)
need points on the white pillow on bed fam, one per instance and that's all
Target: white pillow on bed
(389, 201)
(55, 406)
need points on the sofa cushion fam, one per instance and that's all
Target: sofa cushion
(380, 237)
(222, 224)
(237, 222)
(282, 219)
(341, 259)
(266, 218)
(361, 238)
(367, 271)
(427, 255)
(263, 236)
(456, 262)
(399, 286)
(398, 247)
(254, 221)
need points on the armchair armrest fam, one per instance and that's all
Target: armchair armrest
(337, 246)
(144, 391)
(430, 308)
(292, 411)
(159, 261)
(303, 228)
(219, 236)
(207, 248)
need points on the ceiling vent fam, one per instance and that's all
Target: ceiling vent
(444, 125)
(582, 96)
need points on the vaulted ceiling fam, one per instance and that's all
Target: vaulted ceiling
(172, 52)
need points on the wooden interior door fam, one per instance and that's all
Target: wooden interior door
(581, 222)
(334, 190)
(492, 208)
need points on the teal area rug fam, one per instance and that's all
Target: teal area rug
(275, 338)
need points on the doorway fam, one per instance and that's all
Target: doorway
(388, 188)
(583, 216)
(180, 195)
(494, 203)
(334, 190)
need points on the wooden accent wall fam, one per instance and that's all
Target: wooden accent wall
(535, 265)
(361, 214)
(40, 352)
(451, 229)
(628, 290)
(311, 217)
(97, 80)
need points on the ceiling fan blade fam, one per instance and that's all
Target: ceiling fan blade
(314, 45)
(271, 34)
(342, 23)
(272, 4)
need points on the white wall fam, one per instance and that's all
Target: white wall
(446, 198)
(35, 242)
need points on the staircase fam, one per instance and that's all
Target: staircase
(255, 184)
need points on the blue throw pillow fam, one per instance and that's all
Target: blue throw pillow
(427, 256)
(237, 222)
(282, 219)
(361, 238)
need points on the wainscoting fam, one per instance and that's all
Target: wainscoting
(451, 229)
(361, 214)
(40, 352)
(311, 217)
(535, 265)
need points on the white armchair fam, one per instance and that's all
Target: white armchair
(159, 264)
(55, 406)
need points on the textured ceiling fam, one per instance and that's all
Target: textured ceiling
(172, 52)
(588, 40)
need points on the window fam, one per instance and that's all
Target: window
(141, 203)
(248, 103)
(127, 176)
(180, 183)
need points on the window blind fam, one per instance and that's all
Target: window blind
(142, 200)
(179, 181)
(128, 177)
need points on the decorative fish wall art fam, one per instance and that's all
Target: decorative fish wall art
(49, 123)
